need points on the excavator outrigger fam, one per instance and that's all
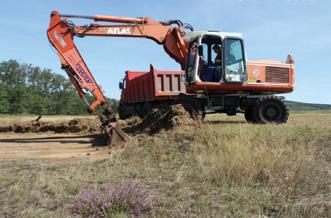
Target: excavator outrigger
(236, 85)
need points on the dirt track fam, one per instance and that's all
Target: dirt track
(79, 137)
(49, 146)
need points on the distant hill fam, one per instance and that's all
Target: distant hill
(293, 105)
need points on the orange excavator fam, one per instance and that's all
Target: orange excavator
(223, 81)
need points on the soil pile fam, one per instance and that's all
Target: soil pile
(130, 122)
(72, 126)
(165, 118)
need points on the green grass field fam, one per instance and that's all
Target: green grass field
(226, 168)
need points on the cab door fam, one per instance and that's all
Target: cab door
(234, 61)
(192, 63)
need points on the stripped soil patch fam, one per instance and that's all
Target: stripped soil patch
(174, 116)
(73, 126)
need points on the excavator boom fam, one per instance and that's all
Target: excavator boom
(61, 34)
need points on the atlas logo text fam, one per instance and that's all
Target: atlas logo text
(119, 31)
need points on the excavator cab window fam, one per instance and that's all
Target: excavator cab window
(191, 62)
(212, 59)
(211, 66)
(234, 60)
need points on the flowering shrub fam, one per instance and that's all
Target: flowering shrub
(112, 199)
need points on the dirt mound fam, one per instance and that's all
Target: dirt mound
(164, 118)
(72, 126)
(130, 122)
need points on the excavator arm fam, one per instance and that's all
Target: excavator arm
(61, 33)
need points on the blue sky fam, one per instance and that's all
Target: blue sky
(271, 28)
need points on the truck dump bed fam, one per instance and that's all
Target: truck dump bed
(152, 86)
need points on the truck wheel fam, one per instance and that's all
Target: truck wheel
(249, 115)
(270, 109)
(122, 116)
(147, 109)
(138, 111)
(122, 112)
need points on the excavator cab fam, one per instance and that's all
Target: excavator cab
(216, 57)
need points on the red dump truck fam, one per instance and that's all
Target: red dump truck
(143, 91)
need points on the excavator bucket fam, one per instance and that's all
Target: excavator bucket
(116, 136)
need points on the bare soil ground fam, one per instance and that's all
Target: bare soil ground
(53, 138)
(49, 146)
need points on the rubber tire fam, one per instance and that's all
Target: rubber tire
(122, 112)
(146, 109)
(249, 115)
(270, 109)
(138, 111)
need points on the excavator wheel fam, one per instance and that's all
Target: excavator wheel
(249, 115)
(268, 109)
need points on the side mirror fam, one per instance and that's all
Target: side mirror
(121, 85)
(200, 50)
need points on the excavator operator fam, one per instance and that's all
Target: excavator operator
(218, 58)
(212, 72)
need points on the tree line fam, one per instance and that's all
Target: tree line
(27, 89)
